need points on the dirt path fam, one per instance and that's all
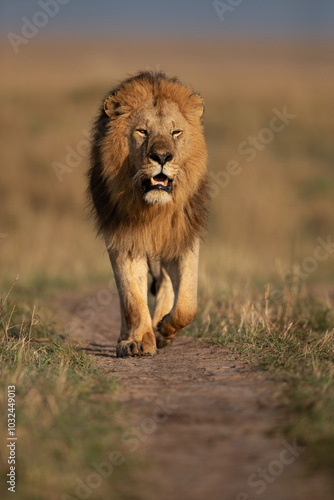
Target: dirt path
(200, 417)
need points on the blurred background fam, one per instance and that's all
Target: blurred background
(266, 73)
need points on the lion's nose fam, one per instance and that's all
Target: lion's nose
(161, 158)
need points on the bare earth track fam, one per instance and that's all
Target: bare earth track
(202, 419)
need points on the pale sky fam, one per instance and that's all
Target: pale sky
(259, 18)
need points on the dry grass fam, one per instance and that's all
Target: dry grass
(63, 408)
(290, 334)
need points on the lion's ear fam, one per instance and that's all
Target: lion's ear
(198, 105)
(108, 105)
(113, 107)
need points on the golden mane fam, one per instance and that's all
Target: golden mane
(123, 218)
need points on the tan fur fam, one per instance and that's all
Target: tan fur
(147, 116)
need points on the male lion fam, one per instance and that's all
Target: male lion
(148, 187)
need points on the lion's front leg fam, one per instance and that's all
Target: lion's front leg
(137, 337)
(184, 276)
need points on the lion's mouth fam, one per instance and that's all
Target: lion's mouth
(160, 181)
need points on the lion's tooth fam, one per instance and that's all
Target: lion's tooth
(152, 181)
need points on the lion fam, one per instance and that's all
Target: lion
(148, 189)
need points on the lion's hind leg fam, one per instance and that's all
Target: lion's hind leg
(164, 292)
(183, 272)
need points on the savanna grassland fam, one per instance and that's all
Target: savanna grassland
(267, 265)
(268, 216)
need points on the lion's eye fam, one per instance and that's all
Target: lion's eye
(142, 132)
(176, 133)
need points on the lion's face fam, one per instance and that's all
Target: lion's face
(156, 132)
(158, 142)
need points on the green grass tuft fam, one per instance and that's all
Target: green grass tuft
(293, 340)
(66, 414)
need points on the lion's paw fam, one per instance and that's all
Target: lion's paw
(127, 348)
